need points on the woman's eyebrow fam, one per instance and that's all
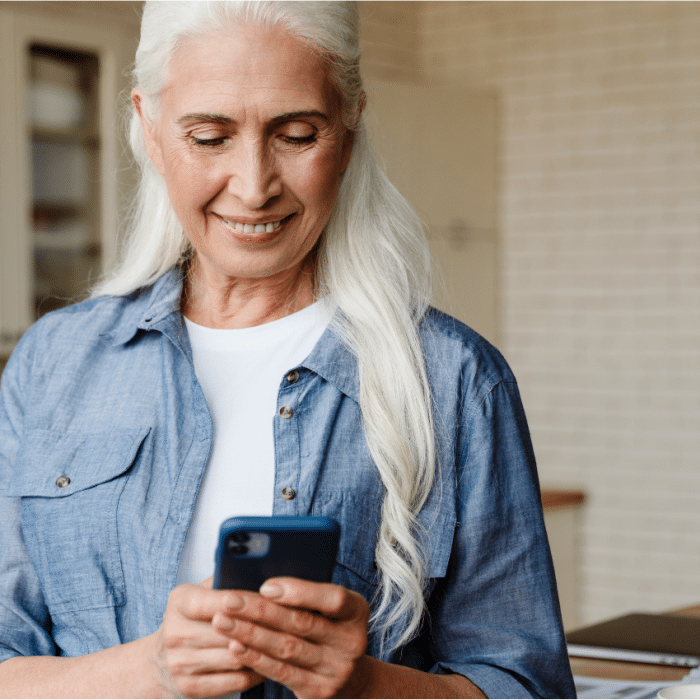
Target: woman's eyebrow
(205, 117)
(305, 114)
(223, 119)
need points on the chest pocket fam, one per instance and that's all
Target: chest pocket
(359, 526)
(360, 519)
(70, 485)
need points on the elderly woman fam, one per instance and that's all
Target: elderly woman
(265, 347)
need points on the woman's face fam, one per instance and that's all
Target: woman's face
(251, 145)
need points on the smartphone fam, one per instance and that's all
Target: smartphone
(254, 549)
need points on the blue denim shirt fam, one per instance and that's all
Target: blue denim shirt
(105, 435)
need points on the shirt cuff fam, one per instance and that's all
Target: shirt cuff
(494, 682)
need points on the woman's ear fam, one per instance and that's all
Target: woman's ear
(361, 104)
(350, 133)
(150, 135)
(348, 141)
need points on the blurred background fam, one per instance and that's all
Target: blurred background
(552, 149)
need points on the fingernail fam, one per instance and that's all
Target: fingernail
(233, 602)
(271, 590)
(235, 646)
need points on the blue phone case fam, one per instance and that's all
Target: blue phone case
(253, 549)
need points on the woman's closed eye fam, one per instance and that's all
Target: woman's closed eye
(216, 141)
(297, 133)
(299, 140)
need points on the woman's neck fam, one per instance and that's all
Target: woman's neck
(216, 301)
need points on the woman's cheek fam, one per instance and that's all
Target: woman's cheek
(192, 184)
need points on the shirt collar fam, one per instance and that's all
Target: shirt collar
(157, 308)
(147, 307)
(332, 360)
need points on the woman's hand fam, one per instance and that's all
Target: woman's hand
(194, 659)
(310, 637)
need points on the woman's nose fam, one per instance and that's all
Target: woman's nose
(253, 177)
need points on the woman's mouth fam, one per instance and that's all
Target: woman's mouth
(254, 228)
(267, 227)
(255, 233)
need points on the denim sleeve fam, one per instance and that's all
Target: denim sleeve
(495, 617)
(25, 625)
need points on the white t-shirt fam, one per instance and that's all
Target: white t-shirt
(240, 372)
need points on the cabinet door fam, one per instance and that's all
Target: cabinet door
(563, 528)
(58, 161)
(439, 149)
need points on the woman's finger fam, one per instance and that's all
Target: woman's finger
(184, 633)
(345, 626)
(305, 683)
(273, 643)
(325, 598)
(186, 661)
(303, 623)
(216, 685)
(199, 603)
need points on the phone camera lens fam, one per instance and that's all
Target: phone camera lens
(236, 548)
(240, 537)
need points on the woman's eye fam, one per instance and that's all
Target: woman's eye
(219, 141)
(299, 140)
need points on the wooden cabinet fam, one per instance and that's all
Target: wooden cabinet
(562, 515)
(65, 164)
(61, 74)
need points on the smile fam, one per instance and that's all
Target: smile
(268, 227)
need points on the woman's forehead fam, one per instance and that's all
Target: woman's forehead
(249, 63)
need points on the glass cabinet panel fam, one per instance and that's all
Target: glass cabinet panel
(65, 153)
(65, 177)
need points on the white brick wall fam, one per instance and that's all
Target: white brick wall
(600, 202)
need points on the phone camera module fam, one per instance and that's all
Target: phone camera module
(240, 537)
(248, 544)
(237, 548)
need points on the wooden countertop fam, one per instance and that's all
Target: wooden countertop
(627, 671)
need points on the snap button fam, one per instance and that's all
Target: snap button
(288, 493)
(293, 377)
(62, 482)
(286, 412)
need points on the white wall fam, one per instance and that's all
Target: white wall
(391, 40)
(600, 175)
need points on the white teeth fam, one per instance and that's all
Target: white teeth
(254, 228)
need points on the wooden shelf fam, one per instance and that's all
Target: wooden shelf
(60, 209)
(560, 498)
(75, 244)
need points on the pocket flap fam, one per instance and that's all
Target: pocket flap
(360, 521)
(51, 464)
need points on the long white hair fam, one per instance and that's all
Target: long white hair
(372, 261)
